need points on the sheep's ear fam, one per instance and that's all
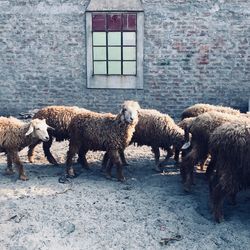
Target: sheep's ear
(50, 127)
(30, 130)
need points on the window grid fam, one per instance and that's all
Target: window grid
(107, 46)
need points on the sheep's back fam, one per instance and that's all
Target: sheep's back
(201, 108)
(98, 131)
(59, 118)
(10, 132)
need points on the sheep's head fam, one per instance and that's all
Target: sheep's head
(38, 129)
(129, 112)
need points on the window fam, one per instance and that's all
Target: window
(114, 44)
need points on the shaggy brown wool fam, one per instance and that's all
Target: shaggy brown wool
(201, 128)
(158, 130)
(230, 147)
(105, 132)
(58, 117)
(13, 138)
(201, 108)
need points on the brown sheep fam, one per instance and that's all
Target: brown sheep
(156, 130)
(105, 132)
(201, 108)
(16, 135)
(58, 117)
(201, 128)
(230, 148)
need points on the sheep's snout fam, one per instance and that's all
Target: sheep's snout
(46, 139)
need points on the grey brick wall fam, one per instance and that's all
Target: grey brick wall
(195, 51)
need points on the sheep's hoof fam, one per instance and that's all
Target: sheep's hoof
(157, 169)
(53, 161)
(9, 171)
(23, 177)
(71, 172)
(31, 159)
(122, 179)
(108, 176)
(187, 187)
(219, 219)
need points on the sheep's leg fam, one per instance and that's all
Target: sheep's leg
(187, 168)
(15, 157)
(31, 151)
(176, 154)
(9, 170)
(169, 155)
(123, 159)
(156, 152)
(218, 196)
(105, 161)
(203, 162)
(46, 149)
(115, 159)
(108, 168)
(210, 167)
(232, 199)
(82, 158)
(73, 149)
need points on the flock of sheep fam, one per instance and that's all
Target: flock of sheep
(213, 136)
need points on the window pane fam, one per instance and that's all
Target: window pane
(99, 22)
(129, 22)
(114, 53)
(129, 53)
(100, 68)
(114, 38)
(114, 22)
(129, 68)
(114, 68)
(99, 38)
(99, 53)
(129, 38)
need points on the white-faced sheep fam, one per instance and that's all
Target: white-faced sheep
(230, 148)
(16, 135)
(105, 132)
(201, 128)
(201, 108)
(58, 117)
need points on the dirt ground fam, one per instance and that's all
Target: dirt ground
(92, 212)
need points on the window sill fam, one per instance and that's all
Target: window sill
(114, 82)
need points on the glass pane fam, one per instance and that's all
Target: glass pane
(114, 53)
(99, 22)
(129, 38)
(129, 22)
(114, 68)
(99, 53)
(100, 68)
(114, 22)
(114, 38)
(99, 38)
(129, 53)
(129, 68)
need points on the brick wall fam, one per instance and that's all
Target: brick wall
(195, 51)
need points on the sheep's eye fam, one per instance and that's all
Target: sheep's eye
(37, 128)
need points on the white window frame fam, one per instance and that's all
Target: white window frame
(115, 81)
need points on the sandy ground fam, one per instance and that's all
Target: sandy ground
(91, 212)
